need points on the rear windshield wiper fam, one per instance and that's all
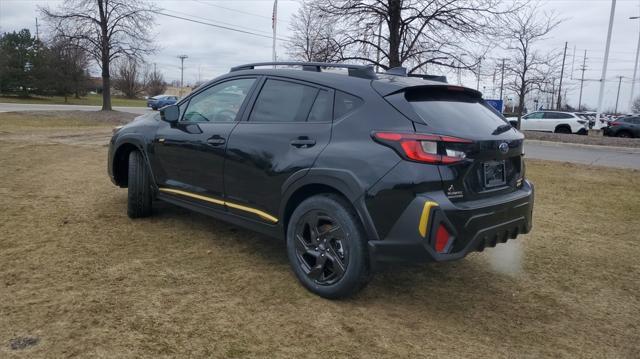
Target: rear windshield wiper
(502, 128)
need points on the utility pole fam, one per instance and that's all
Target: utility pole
(553, 92)
(154, 68)
(635, 70)
(559, 102)
(478, 84)
(37, 30)
(502, 79)
(618, 95)
(583, 68)
(596, 126)
(182, 57)
(573, 61)
(274, 25)
(378, 49)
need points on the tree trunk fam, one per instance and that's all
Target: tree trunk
(520, 105)
(394, 33)
(106, 83)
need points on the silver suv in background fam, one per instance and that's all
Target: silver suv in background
(552, 121)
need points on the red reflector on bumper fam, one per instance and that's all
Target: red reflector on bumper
(442, 239)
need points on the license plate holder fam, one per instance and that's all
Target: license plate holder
(494, 174)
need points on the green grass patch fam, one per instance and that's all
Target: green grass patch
(91, 100)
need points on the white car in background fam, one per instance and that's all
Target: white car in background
(552, 121)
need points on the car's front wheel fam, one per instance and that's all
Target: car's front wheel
(139, 187)
(326, 246)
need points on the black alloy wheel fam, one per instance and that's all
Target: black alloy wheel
(327, 246)
(321, 248)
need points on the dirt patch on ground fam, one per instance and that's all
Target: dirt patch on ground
(585, 140)
(78, 278)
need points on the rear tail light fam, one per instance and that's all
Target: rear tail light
(425, 148)
(442, 239)
(616, 123)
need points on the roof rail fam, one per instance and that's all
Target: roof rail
(361, 71)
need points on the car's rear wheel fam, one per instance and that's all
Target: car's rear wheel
(624, 134)
(563, 129)
(139, 187)
(326, 246)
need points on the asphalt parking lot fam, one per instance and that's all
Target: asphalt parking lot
(79, 278)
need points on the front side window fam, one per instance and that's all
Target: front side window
(218, 103)
(283, 101)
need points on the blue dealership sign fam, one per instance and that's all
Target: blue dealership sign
(497, 104)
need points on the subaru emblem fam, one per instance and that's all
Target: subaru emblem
(504, 147)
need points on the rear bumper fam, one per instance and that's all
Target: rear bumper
(473, 226)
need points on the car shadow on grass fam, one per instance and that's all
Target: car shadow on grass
(428, 282)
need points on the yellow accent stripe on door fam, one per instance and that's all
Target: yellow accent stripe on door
(258, 212)
(424, 217)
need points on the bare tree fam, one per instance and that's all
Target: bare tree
(128, 78)
(415, 32)
(635, 107)
(106, 29)
(314, 36)
(154, 83)
(529, 67)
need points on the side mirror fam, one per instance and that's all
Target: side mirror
(170, 113)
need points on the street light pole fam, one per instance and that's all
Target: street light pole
(618, 95)
(635, 69)
(182, 57)
(597, 126)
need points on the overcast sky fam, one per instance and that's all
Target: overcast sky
(212, 51)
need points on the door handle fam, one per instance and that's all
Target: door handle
(303, 142)
(216, 140)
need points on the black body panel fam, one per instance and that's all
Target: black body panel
(253, 173)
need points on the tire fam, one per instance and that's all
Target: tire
(563, 129)
(139, 187)
(624, 134)
(345, 243)
(154, 108)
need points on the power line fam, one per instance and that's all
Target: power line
(231, 9)
(219, 26)
(218, 21)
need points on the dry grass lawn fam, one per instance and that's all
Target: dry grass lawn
(78, 278)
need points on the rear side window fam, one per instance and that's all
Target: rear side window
(454, 111)
(283, 101)
(345, 103)
(321, 110)
(556, 115)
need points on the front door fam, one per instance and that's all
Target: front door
(188, 157)
(287, 128)
(532, 122)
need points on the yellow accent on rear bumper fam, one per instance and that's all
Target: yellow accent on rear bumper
(258, 212)
(424, 217)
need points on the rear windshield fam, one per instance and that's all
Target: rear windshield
(455, 111)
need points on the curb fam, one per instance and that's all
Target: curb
(582, 145)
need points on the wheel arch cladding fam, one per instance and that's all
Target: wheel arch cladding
(317, 183)
(121, 163)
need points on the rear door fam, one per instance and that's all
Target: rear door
(493, 156)
(285, 130)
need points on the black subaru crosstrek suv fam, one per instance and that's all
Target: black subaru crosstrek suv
(351, 169)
